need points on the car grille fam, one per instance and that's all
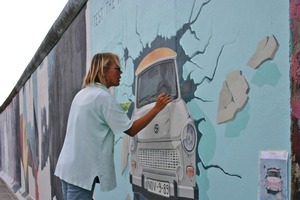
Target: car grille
(162, 159)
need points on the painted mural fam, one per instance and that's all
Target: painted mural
(224, 63)
(234, 67)
(67, 64)
(162, 155)
(42, 107)
(10, 142)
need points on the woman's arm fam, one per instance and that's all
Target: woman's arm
(139, 124)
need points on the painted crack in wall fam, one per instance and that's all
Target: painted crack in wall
(210, 41)
(191, 45)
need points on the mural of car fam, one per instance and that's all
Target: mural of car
(273, 181)
(163, 154)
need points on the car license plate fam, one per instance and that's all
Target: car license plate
(158, 187)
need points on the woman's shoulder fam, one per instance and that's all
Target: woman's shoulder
(100, 93)
(92, 92)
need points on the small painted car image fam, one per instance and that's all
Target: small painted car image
(163, 154)
(273, 183)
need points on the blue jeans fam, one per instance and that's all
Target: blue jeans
(73, 192)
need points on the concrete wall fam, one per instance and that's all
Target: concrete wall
(234, 54)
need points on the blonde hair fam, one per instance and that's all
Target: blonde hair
(99, 62)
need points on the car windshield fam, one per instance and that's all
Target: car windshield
(273, 174)
(158, 78)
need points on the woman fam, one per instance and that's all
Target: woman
(95, 116)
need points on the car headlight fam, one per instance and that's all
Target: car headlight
(189, 138)
(133, 144)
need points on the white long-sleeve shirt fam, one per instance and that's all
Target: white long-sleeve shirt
(88, 151)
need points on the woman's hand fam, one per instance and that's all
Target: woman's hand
(139, 124)
(162, 101)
